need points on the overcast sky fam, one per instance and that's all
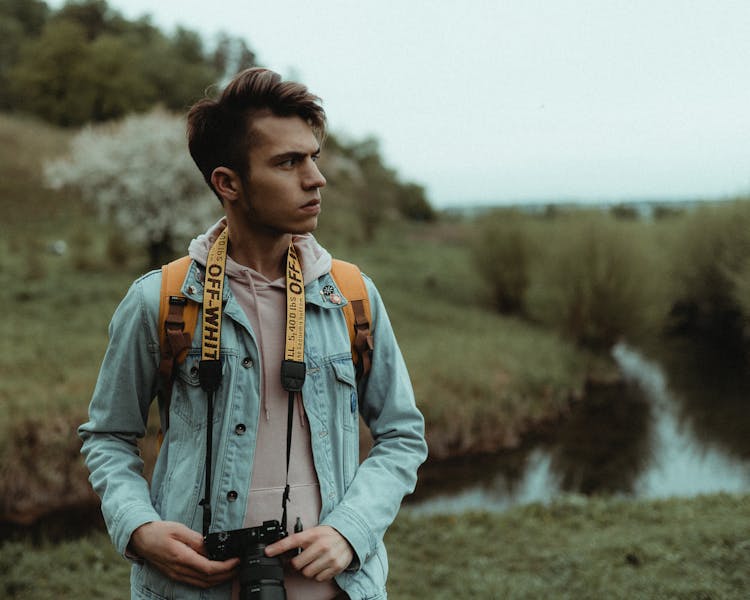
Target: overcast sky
(516, 100)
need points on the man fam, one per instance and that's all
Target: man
(257, 147)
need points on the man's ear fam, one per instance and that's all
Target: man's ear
(227, 183)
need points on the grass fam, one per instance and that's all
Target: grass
(578, 549)
(572, 549)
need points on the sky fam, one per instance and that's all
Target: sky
(488, 102)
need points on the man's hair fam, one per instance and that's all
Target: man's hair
(220, 131)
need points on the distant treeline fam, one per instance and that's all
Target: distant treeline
(86, 62)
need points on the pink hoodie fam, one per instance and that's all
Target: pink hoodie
(264, 303)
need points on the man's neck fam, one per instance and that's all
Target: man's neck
(260, 251)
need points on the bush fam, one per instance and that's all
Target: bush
(591, 280)
(140, 177)
(710, 266)
(502, 253)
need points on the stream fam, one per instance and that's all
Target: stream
(678, 428)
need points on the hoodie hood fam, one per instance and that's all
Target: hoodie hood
(316, 260)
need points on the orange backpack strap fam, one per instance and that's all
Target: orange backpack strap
(177, 319)
(349, 280)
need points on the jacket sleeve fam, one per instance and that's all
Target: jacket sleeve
(389, 472)
(118, 414)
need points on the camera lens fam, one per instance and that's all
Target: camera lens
(261, 577)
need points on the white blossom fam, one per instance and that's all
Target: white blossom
(139, 175)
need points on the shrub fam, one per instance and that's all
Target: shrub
(591, 279)
(502, 253)
(140, 177)
(710, 266)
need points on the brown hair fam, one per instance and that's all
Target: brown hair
(220, 130)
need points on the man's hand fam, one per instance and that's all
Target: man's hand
(325, 552)
(178, 552)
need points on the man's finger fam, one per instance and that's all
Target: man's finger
(203, 566)
(191, 575)
(326, 575)
(296, 540)
(190, 538)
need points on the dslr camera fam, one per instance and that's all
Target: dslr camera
(261, 577)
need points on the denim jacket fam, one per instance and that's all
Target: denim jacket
(358, 500)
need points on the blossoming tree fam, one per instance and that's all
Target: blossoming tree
(138, 174)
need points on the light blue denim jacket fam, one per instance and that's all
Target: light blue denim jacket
(359, 501)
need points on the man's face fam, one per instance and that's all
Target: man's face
(282, 194)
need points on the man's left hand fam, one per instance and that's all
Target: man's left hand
(325, 552)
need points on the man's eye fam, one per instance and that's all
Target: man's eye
(290, 162)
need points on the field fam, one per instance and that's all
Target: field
(484, 378)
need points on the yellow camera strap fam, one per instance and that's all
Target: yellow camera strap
(209, 368)
(209, 371)
(293, 366)
(213, 292)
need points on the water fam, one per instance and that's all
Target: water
(656, 436)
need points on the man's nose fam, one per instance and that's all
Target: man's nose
(313, 177)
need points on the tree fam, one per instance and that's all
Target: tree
(50, 74)
(29, 14)
(92, 15)
(412, 203)
(374, 200)
(19, 19)
(231, 55)
(139, 176)
(86, 62)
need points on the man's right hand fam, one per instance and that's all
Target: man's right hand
(178, 552)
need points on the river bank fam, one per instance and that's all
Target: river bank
(574, 548)
(672, 426)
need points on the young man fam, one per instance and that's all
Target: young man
(257, 147)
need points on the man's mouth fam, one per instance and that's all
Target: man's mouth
(312, 206)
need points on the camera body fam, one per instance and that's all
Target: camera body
(261, 577)
(229, 544)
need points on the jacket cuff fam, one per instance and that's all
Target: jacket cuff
(131, 517)
(349, 524)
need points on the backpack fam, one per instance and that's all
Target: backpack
(178, 317)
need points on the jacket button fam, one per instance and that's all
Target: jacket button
(240, 429)
(247, 362)
(232, 496)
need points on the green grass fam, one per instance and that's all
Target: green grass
(572, 549)
(577, 549)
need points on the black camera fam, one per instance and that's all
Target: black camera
(261, 577)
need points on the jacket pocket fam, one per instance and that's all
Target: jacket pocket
(346, 393)
(145, 580)
(189, 400)
(347, 407)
